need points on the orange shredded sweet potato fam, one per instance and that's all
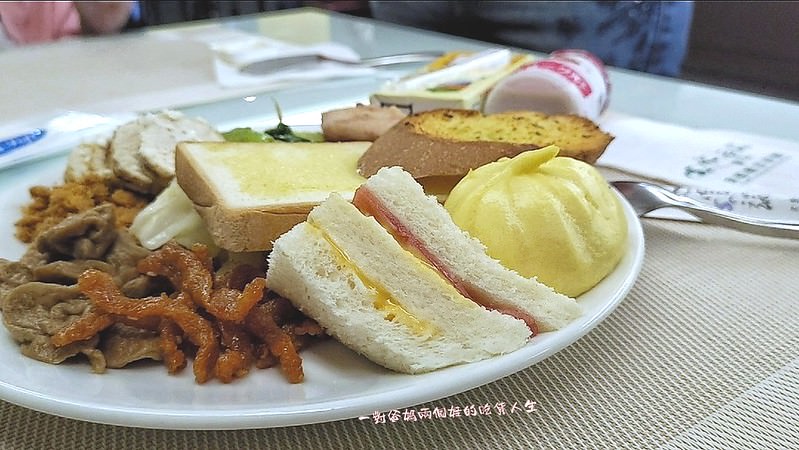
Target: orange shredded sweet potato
(106, 296)
(182, 267)
(170, 339)
(238, 357)
(262, 323)
(201, 252)
(229, 317)
(189, 272)
(308, 328)
(264, 359)
(84, 328)
(94, 322)
(233, 305)
(238, 277)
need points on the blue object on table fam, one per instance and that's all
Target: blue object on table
(13, 143)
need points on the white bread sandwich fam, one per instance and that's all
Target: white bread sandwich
(416, 296)
(248, 194)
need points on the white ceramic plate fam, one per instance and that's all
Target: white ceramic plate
(338, 383)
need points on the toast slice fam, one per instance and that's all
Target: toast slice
(447, 143)
(248, 194)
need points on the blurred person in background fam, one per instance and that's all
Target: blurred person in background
(650, 36)
(36, 22)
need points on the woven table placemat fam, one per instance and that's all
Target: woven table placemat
(703, 353)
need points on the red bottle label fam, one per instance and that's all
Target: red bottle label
(568, 73)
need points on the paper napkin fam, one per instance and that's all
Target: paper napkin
(232, 49)
(746, 173)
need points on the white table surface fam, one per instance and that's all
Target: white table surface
(105, 75)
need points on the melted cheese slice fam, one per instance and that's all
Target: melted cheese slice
(383, 300)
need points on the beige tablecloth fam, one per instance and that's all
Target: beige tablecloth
(703, 353)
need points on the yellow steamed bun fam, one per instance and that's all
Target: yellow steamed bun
(549, 217)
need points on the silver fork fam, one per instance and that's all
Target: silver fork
(270, 65)
(647, 197)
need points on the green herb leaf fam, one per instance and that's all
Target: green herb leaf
(283, 132)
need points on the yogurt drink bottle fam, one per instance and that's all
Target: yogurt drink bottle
(569, 81)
